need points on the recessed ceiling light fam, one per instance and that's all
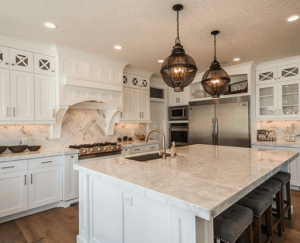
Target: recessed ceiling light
(236, 59)
(292, 18)
(50, 25)
(160, 61)
(118, 47)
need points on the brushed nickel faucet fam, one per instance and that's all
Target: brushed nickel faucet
(164, 151)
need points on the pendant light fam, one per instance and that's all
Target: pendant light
(215, 81)
(179, 69)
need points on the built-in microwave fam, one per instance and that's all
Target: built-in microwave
(178, 113)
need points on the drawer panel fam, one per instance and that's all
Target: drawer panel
(12, 166)
(151, 147)
(137, 149)
(44, 162)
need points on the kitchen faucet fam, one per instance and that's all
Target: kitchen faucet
(163, 152)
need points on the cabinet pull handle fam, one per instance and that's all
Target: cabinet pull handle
(8, 111)
(45, 162)
(72, 157)
(279, 111)
(152, 147)
(8, 167)
(53, 112)
(137, 149)
(25, 181)
(14, 111)
(52, 71)
(31, 178)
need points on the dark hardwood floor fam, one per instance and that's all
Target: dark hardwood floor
(60, 225)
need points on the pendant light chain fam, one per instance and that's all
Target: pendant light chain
(177, 39)
(215, 49)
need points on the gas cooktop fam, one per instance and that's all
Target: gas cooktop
(97, 149)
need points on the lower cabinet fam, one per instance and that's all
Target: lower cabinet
(45, 186)
(13, 193)
(70, 181)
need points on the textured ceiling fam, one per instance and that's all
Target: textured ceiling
(254, 30)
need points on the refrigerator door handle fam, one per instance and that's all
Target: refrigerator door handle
(217, 131)
(213, 130)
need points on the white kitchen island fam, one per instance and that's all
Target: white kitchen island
(168, 201)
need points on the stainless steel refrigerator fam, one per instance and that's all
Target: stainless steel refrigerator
(220, 122)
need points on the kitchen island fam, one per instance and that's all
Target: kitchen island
(169, 201)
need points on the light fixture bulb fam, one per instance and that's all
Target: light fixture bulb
(292, 18)
(50, 25)
(118, 47)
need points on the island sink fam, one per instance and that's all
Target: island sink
(142, 158)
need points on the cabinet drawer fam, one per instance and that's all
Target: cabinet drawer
(44, 162)
(12, 166)
(151, 147)
(137, 149)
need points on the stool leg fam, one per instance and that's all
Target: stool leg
(282, 209)
(278, 212)
(269, 224)
(289, 201)
(257, 229)
(249, 232)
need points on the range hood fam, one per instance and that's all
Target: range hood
(87, 81)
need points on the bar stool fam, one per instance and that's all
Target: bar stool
(274, 187)
(230, 225)
(261, 203)
(285, 179)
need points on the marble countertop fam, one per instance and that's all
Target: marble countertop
(9, 156)
(203, 179)
(278, 144)
(137, 143)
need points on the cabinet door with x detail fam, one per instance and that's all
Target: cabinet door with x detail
(21, 60)
(44, 64)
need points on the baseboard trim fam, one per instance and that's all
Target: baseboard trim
(80, 239)
(60, 204)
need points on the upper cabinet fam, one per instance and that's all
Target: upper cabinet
(4, 57)
(44, 64)
(21, 60)
(178, 98)
(136, 81)
(277, 92)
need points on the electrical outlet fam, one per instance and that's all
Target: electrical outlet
(24, 141)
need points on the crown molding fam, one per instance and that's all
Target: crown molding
(136, 71)
(278, 62)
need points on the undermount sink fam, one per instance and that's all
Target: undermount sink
(146, 157)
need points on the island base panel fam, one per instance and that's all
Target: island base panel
(111, 214)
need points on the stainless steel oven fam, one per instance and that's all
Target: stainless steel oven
(179, 132)
(178, 113)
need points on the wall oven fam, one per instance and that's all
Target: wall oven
(178, 113)
(179, 132)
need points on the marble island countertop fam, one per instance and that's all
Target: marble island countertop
(203, 179)
(137, 143)
(278, 144)
(9, 156)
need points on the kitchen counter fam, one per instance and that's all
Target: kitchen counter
(202, 181)
(137, 143)
(278, 144)
(9, 156)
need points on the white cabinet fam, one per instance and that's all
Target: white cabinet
(21, 60)
(144, 105)
(289, 72)
(4, 57)
(13, 191)
(134, 104)
(178, 98)
(266, 76)
(44, 98)
(44, 64)
(5, 95)
(266, 101)
(70, 181)
(135, 81)
(126, 113)
(22, 96)
(45, 186)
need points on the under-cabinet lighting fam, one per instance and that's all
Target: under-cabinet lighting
(292, 18)
(50, 25)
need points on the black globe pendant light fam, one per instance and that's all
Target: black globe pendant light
(215, 81)
(179, 69)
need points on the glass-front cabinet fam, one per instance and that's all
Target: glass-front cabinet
(288, 102)
(266, 76)
(266, 103)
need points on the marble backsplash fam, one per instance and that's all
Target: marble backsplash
(279, 127)
(79, 126)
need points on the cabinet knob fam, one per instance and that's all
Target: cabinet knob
(13, 64)
(7, 63)
(52, 71)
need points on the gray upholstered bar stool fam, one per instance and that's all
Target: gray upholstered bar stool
(285, 179)
(274, 187)
(230, 225)
(261, 203)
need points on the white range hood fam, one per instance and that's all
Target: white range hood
(87, 81)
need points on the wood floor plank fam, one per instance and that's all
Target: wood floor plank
(10, 233)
